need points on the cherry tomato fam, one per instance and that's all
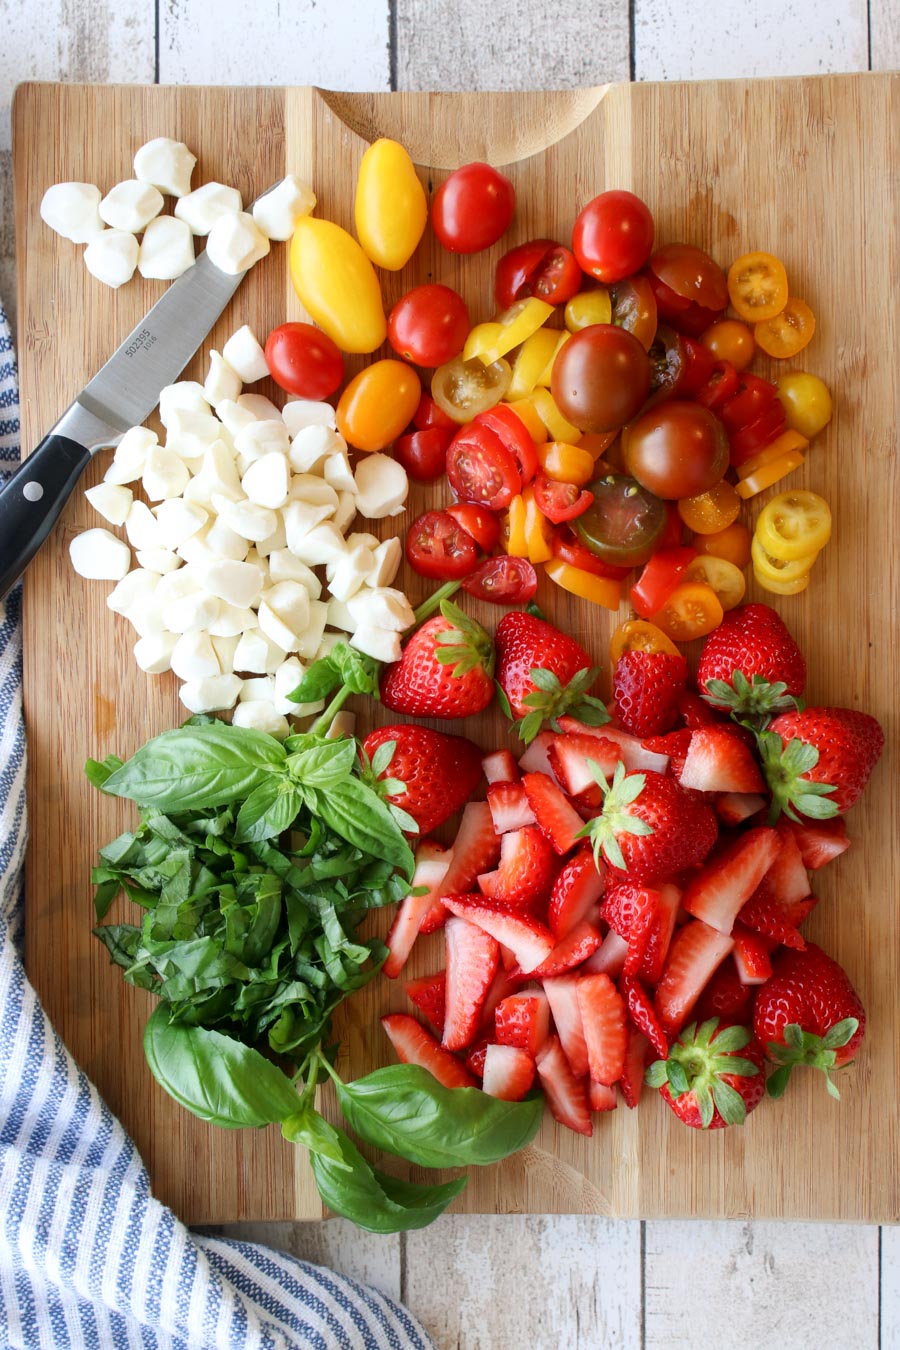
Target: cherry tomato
(304, 360)
(438, 547)
(337, 285)
(672, 536)
(782, 445)
(684, 315)
(732, 341)
(570, 550)
(721, 386)
(613, 236)
(722, 576)
(506, 423)
(668, 361)
(560, 501)
(691, 274)
(757, 286)
(634, 309)
(428, 414)
(636, 635)
(806, 401)
(429, 325)
(600, 378)
(749, 440)
(699, 365)
(691, 611)
(794, 524)
(503, 581)
(676, 449)
(423, 454)
(786, 333)
(483, 525)
(377, 404)
(659, 578)
(769, 473)
(766, 568)
(462, 389)
(567, 463)
(540, 268)
(480, 468)
(390, 208)
(473, 208)
(712, 511)
(754, 395)
(624, 523)
(732, 544)
(589, 307)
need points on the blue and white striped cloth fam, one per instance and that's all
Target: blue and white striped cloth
(87, 1256)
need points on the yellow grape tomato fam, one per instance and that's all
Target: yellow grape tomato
(390, 209)
(337, 285)
(588, 307)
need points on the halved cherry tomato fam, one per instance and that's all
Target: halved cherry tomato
(613, 236)
(428, 325)
(806, 401)
(732, 341)
(490, 341)
(794, 524)
(634, 308)
(711, 511)
(483, 525)
(540, 267)
(766, 567)
(588, 307)
(667, 363)
(473, 208)
(624, 523)
(505, 423)
(560, 501)
(698, 368)
(782, 587)
(754, 395)
(304, 361)
(587, 586)
(503, 581)
(566, 463)
(750, 439)
(423, 454)
(691, 274)
(439, 548)
(757, 286)
(377, 404)
(461, 389)
(732, 544)
(721, 386)
(570, 550)
(480, 468)
(691, 611)
(770, 473)
(428, 414)
(528, 415)
(636, 635)
(659, 578)
(558, 426)
(787, 333)
(725, 579)
(684, 315)
(788, 440)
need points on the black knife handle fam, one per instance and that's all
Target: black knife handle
(30, 503)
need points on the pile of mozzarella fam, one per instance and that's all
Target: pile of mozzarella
(109, 226)
(248, 500)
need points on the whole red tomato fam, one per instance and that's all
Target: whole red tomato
(304, 360)
(613, 236)
(473, 208)
(429, 325)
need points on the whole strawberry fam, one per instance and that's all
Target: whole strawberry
(543, 674)
(714, 1075)
(647, 687)
(750, 664)
(445, 671)
(817, 762)
(650, 827)
(808, 1013)
(423, 773)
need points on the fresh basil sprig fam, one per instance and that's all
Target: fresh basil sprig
(374, 1200)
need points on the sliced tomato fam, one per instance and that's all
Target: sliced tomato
(659, 578)
(753, 396)
(570, 550)
(634, 308)
(674, 527)
(462, 389)
(667, 365)
(683, 314)
(503, 581)
(515, 436)
(787, 333)
(560, 501)
(692, 274)
(758, 286)
(438, 547)
(749, 440)
(480, 468)
(691, 611)
(428, 414)
(699, 365)
(518, 269)
(721, 386)
(423, 454)
(483, 525)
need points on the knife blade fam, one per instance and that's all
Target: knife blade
(121, 395)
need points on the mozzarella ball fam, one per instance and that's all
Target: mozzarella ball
(167, 249)
(201, 208)
(112, 257)
(72, 210)
(244, 354)
(131, 205)
(277, 212)
(166, 164)
(100, 556)
(235, 243)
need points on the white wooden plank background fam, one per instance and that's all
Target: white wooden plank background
(483, 1283)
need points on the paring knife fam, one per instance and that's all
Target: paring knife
(120, 396)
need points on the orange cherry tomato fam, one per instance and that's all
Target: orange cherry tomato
(731, 340)
(566, 463)
(788, 440)
(378, 404)
(725, 579)
(732, 544)
(787, 332)
(770, 473)
(691, 611)
(637, 635)
(757, 286)
(711, 511)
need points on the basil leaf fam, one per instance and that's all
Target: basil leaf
(197, 767)
(358, 815)
(403, 1109)
(314, 1132)
(216, 1077)
(98, 772)
(323, 764)
(358, 672)
(270, 809)
(320, 679)
(374, 1201)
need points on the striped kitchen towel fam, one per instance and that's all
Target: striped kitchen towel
(87, 1256)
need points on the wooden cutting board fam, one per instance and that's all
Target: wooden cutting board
(802, 167)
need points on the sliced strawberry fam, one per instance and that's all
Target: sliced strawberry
(730, 877)
(536, 756)
(633, 753)
(575, 948)
(509, 807)
(820, 841)
(578, 887)
(475, 1056)
(659, 937)
(476, 848)
(632, 1080)
(609, 958)
(432, 862)
(562, 994)
(675, 744)
(800, 909)
(751, 956)
(559, 820)
(787, 878)
(725, 996)
(733, 808)
(415, 1045)
(601, 1096)
(504, 985)
(472, 958)
(696, 712)
(428, 993)
(566, 1095)
(526, 872)
(603, 1018)
(764, 915)
(500, 767)
(642, 1014)
(696, 952)
(523, 1020)
(571, 756)
(530, 941)
(717, 761)
(632, 911)
(508, 1072)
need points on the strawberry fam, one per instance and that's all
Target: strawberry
(509, 807)
(650, 827)
(432, 862)
(820, 841)
(422, 773)
(609, 958)
(717, 761)
(570, 757)
(559, 821)
(770, 910)
(632, 751)
(577, 946)
(523, 1020)
(580, 885)
(536, 756)
(445, 669)
(542, 673)
(603, 1097)
(503, 986)
(475, 1056)
(733, 808)
(562, 995)
(751, 956)
(646, 688)
(695, 713)
(659, 936)
(526, 872)
(500, 767)
(632, 911)
(726, 997)
(428, 993)
(632, 1079)
(472, 958)
(674, 745)
(508, 1072)
(808, 1013)
(714, 1075)
(603, 1018)
(476, 848)
(566, 1095)
(750, 664)
(818, 761)
(415, 1045)
(642, 1014)
(529, 940)
(730, 877)
(766, 916)
(696, 952)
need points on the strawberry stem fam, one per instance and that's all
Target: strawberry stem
(696, 1063)
(803, 1047)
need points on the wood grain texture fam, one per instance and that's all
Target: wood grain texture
(705, 158)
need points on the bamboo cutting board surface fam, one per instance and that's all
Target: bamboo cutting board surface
(802, 167)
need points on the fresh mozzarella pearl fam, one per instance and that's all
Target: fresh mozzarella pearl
(235, 243)
(167, 164)
(111, 502)
(201, 208)
(111, 257)
(130, 456)
(131, 205)
(167, 249)
(100, 556)
(72, 210)
(214, 694)
(261, 716)
(244, 354)
(277, 212)
(381, 485)
(222, 383)
(379, 643)
(153, 653)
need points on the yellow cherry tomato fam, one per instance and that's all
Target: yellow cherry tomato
(558, 426)
(769, 473)
(782, 445)
(757, 286)
(806, 401)
(794, 524)
(337, 285)
(513, 531)
(588, 307)
(712, 511)
(732, 544)
(637, 635)
(782, 587)
(534, 355)
(547, 373)
(566, 463)
(788, 332)
(725, 579)
(691, 611)
(390, 209)
(766, 567)
(462, 389)
(538, 530)
(731, 340)
(598, 590)
(378, 404)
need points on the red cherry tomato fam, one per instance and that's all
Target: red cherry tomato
(673, 532)
(439, 548)
(540, 268)
(720, 387)
(659, 578)
(691, 274)
(684, 315)
(570, 550)
(480, 469)
(473, 208)
(483, 525)
(698, 368)
(560, 501)
(428, 414)
(747, 440)
(676, 450)
(613, 236)
(304, 360)
(429, 325)
(515, 436)
(423, 454)
(754, 395)
(503, 581)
